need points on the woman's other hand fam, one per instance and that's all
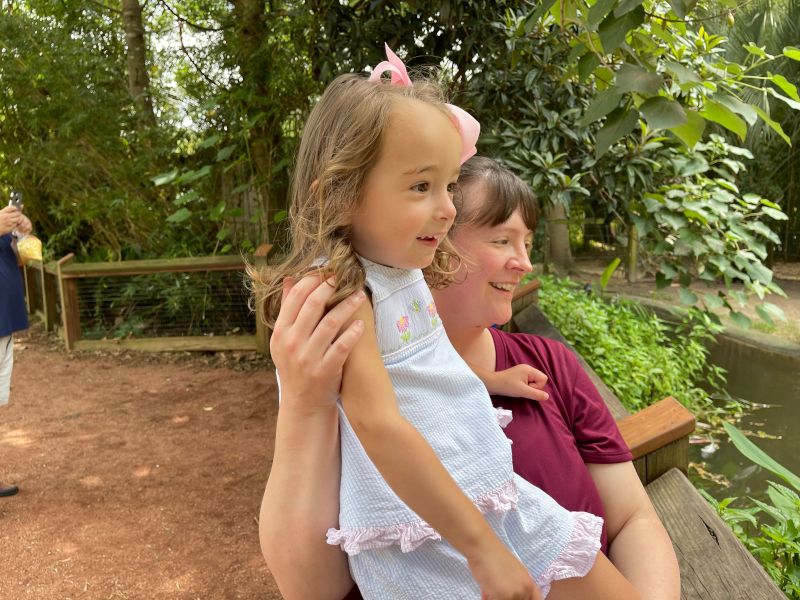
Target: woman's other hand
(24, 226)
(9, 219)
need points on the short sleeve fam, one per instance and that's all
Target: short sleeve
(593, 426)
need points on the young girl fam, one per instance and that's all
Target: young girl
(423, 457)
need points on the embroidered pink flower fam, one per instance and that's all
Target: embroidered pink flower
(402, 323)
(432, 309)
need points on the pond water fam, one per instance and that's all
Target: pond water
(764, 378)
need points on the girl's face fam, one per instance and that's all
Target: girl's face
(406, 204)
(496, 258)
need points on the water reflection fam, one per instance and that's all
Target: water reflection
(763, 378)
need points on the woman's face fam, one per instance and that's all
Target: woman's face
(496, 259)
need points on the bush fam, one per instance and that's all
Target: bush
(635, 353)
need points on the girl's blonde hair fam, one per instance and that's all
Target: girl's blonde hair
(341, 142)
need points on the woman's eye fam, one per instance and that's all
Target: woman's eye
(421, 187)
(501, 242)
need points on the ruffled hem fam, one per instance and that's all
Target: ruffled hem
(579, 554)
(409, 536)
(504, 416)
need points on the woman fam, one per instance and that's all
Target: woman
(567, 445)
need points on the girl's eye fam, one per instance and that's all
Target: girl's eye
(501, 242)
(452, 188)
(421, 187)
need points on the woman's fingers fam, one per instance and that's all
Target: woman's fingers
(293, 299)
(337, 353)
(332, 324)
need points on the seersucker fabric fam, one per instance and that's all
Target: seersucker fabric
(394, 554)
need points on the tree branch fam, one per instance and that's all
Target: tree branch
(699, 20)
(191, 60)
(188, 22)
(103, 6)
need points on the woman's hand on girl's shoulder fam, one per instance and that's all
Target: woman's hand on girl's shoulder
(310, 345)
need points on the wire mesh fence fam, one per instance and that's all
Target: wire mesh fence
(165, 304)
(200, 303)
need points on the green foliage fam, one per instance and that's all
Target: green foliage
(776, 542)
(698, 224)
(638, 356)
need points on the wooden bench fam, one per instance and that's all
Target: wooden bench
(714, 564)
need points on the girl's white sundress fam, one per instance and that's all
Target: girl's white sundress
(393, 554)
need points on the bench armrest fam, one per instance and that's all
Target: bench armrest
(654, 427)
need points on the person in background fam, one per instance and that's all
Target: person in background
(13, 314)
(568, 445)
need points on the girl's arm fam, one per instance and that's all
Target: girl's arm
(519, 381)
(639, 546)
(301, 500)
(414, 472)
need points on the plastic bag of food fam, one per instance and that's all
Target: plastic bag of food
(29, 248)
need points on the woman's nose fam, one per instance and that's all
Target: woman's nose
(521, 260)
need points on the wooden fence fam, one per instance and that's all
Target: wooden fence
(52, 294)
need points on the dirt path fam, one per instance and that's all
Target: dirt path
(140, 477)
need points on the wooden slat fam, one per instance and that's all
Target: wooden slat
(669, 456)
(655, 426)
(70, 315)
(174, 344)
(532, 320)
(714, 565)
(230, 262)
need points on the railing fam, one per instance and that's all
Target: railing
(82, 299)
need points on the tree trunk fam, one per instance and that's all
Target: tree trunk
(632, 268)
(138, 79)
(559, 254)
(251, 26)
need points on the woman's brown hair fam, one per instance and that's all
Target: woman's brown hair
(505, 193)
(340, 144)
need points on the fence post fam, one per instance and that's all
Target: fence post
(262, 331)
(70, 316)
(49, 296)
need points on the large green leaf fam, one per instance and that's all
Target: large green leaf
(180, 215)
(713, 111)
(684, 75)
(631, 78)
(793, 103)
(759, 457)
(792, 52)
(740, 108)
(626, 6)
(690, 132)
(608, 272)
(602, 104)
(661, 113)
(620, 123)
(682, 7)
(789, 88)
(598, 12)
(774, 125)
(587, 64)
(614, 29)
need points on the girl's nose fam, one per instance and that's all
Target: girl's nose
(446, 209)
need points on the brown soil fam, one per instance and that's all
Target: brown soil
(140, 475)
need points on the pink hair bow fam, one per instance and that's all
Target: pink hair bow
(467, 125)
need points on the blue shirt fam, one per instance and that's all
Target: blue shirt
(13, 314)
